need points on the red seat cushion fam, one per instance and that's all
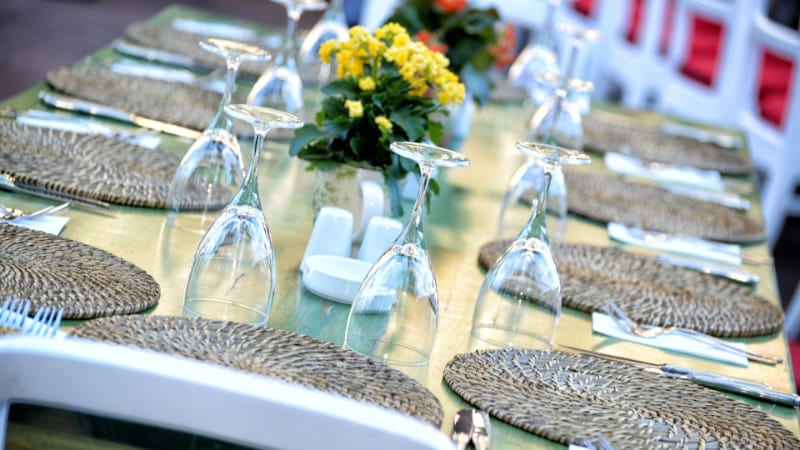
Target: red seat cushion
(774, 81)
(794, 352)
(705, 44)
(634, 21)
(585, 7)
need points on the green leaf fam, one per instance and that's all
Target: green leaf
(305, 135)
(477, 83)
(413, 125)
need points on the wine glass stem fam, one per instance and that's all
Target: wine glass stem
(293, 13)
(549, 21)
(413, 231)
(248, 194)
(537, 226)
(572, 57)
(232, 64)
(552, 134)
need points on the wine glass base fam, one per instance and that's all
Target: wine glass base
(194, 223)
(222, 309)
(507, 338)
(390, 352)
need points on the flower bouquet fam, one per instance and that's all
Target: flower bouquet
(473, 39)
(388, 88)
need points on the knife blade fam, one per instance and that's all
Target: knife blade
(722, 140)
(731, 273)
(157, 55)
(753, 389)
(95, 109)
(9, 183)
(481, 429)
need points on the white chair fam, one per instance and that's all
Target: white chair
(773, 147)
(604, 17)
(635, 68)
(375, 12)
(150, 388)
(685, 96)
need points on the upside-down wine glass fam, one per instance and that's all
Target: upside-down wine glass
(394, 313)
(538, 56)
(212, 169)
(280, 86)
(519, 304)
(556, 122)
(332, 25)
(233, 271)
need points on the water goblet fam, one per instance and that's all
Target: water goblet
(538, 56)
(233, 271)
(556, 122)
(212, 169)
(394, 313)
(280, 86)
(332, 25)
(519, 304)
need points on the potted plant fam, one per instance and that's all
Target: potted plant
(388, 88)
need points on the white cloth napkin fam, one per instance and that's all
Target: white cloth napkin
(48, 224)
(722, 198)
(605, 325)
(626, 165)
(683, 245)
(217, 29)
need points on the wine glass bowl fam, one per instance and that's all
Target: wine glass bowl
(233, 271)
(332, 25)
(280, 86)
(519, 304)
(212, 169)
(394, 313)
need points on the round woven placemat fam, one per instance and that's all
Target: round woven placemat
(167, 101)
(88, 166)
(608, 132)
(564, 397)
(654, 293)
(610, 198)
(273, 353)
(84, 281)
(186, 44)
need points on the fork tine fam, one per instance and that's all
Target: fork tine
(620, 315)
(33, 328)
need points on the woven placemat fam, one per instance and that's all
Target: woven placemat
(84, 281)
(167, 101)
(653, 292)
(89, 166)
(565, 397)
(611, 198)
(186, 44)
(273, 353)
(608, 132)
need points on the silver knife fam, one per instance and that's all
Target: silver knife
(753, 389)
(160, 56)
(8, 183)
(706, 136)
(731, 273)
(109, 112)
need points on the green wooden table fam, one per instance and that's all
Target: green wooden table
(461, 219)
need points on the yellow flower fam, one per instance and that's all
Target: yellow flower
(366, 84)
(384, 124)
(325, 50)
(354, 108)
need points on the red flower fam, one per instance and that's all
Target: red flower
(429, 39)
(503, 50)
(451, 6)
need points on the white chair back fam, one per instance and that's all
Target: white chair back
(689, 98)
(150, 388)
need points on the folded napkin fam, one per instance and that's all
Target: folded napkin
(605, 325)
(721, 198)
(216, 29)
(685, 245)
(46, 224)
(47, 119)
(627, 165)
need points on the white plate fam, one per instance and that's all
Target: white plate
(334, 277)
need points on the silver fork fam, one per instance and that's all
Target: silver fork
(46, 322)
(13, 313)
(7, 213)
(651, 331)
